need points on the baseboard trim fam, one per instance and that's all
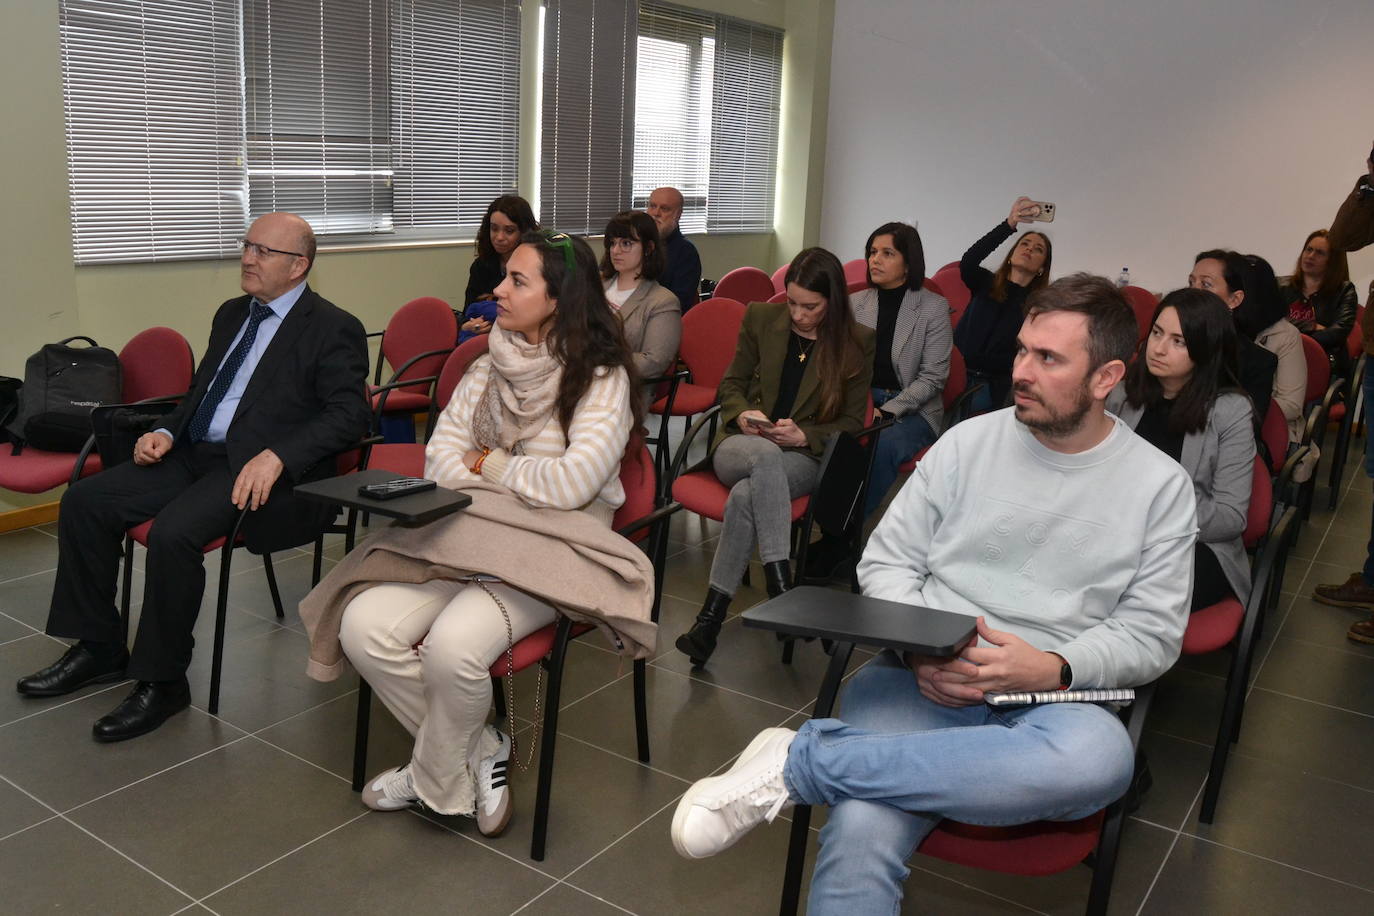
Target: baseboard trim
(28, 517)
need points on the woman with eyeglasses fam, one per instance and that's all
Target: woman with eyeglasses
(507, 220)
(986, 332)
(1322, 302)
(1183, 396)
(650, 315)
(801, 372)
(535, 433)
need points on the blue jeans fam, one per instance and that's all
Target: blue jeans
(902, 440)
(1369, 466)
(897, 764)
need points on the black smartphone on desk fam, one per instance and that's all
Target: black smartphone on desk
(391, 489)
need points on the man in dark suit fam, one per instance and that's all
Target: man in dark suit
(682, 274)
(282, 386)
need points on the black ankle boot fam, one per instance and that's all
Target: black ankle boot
(777, 577)
(700, 641)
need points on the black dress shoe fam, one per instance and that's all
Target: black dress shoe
(150, 704)
(77, 667)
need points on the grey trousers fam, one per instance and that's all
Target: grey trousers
(763, 480)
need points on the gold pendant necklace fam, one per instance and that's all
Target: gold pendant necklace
(801, 357)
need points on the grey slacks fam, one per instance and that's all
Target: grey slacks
(763, 480)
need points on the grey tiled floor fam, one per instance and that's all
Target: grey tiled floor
(251, 812)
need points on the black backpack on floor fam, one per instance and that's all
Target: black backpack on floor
(61, 385)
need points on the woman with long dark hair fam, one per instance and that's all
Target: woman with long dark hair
(507, 220)
(1322, 302)
(1246, 284)
(649, 314)
(986, 333)
(801, 372)
(540, 422)
(1183, 396)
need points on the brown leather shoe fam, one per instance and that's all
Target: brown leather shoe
(1350, 593)
(1362, 631)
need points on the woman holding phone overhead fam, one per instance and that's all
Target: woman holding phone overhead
(801, 371)
(986, 334)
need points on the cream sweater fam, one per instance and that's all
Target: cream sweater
(581, 473)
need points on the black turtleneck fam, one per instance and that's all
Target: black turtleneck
(889, 305)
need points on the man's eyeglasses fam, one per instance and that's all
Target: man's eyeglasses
(563, 242)
(263, 251)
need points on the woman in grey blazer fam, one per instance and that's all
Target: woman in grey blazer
(910, 366)
(650, 315)
(1183, 395)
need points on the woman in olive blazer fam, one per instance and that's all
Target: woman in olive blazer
(801, 371)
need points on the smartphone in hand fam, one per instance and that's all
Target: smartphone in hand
(1038, 211)
(757, 423)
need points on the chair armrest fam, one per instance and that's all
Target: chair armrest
(365, 444)
(958, 411)
(385, 392)
(681, 457)
(649, 519)
(396, 376)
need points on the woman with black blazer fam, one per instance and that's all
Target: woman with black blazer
(986, 333)
(507, 220)
(1182, 395)
(801, 372)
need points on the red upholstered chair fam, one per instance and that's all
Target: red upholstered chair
(1322, 392)
(780, 278)
(417, 340)
(409, 457)
(1048, 847)
(638, 520)
(1143, 303)
(778, 298)
(744, 284)
(1229, 623)
(155, 363)
(956, 397)
(953, 289)
(934, 287)
(856, 273)
(710, 332)
(1344, 411)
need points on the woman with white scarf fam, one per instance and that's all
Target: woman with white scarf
(546, 414)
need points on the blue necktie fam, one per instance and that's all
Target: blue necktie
(200, 423)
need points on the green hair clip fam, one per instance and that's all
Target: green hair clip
(563, 242)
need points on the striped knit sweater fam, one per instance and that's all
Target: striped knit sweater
(584, 474)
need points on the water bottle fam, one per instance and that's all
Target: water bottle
(1123, 278)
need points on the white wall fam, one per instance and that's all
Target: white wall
(1159, 128)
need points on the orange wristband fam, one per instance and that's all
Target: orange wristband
(477, 465)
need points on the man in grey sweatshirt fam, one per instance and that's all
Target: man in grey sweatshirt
(1072, 540)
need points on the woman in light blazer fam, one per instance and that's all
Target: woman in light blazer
(1182, 394)
(650, 314)
(910, 366)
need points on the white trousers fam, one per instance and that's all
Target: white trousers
(427, 650)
